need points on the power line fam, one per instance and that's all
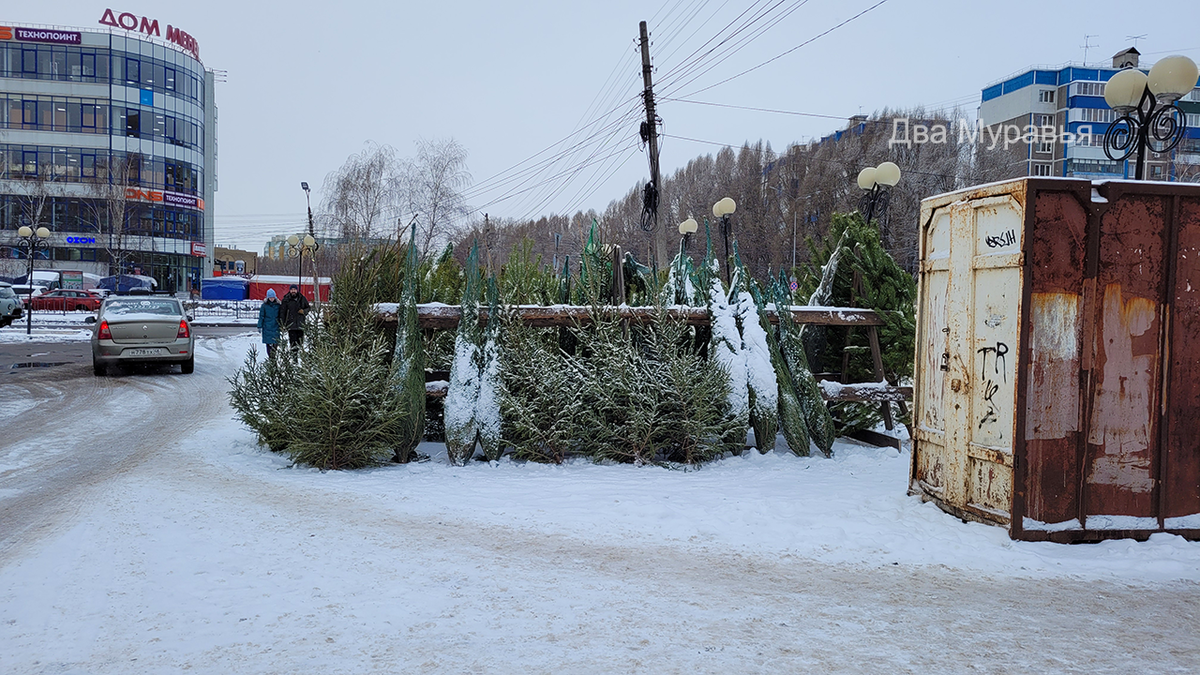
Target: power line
(727, 48)
(754, 109)
(802, 44)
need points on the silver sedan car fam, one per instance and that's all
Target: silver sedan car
(142, 329)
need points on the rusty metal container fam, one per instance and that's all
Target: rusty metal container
(1057, 383)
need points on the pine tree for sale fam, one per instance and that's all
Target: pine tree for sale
(463, 392)
(409, 355)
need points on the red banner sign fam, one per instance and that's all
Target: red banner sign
(168, 198)
(144, 24)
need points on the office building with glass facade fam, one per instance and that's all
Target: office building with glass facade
(108, 139)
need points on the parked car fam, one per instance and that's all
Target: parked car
(11, 307)
(51, 279)
(22, 291)
(67, 300)
(142, 329)
(123, 283)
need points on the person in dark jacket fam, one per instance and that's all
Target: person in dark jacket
(268, 322)
(292, 310)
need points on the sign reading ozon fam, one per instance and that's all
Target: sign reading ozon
(144, 24)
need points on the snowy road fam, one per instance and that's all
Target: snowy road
(162, 540)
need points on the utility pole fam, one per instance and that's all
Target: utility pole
(650, 135)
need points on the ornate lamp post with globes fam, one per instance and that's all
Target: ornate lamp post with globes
(722, 210)
(32, 241)
(686, 228)
(878, 181)
(1149, 115)
(298, 248)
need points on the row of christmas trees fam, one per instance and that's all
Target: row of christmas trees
(661, 391)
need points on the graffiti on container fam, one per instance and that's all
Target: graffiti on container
(1001, 240)
(990, 387)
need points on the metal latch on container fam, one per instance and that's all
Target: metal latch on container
(946, 355)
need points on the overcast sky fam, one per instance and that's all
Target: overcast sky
(309, 83)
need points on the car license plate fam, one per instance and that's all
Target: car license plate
(158, 351)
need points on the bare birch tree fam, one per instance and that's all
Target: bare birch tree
(361, 199)
(112, 207)
(432, 185)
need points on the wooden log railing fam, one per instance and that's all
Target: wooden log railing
(446, 317)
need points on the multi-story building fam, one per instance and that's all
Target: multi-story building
(108, 138)
(1070, 98)
(228, 260)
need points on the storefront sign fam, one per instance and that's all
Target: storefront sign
(72, 279)
(144, 24)
(81, 240)
(199, 249)
(168, 198)
(57, 37)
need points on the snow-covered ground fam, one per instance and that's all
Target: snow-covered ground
(17, 335)
(214, 555)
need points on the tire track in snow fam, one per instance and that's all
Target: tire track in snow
(85, 430)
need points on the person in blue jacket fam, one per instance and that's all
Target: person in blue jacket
(268, 322)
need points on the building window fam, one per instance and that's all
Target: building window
(1045, 147)
(1046, 96)
(1041, 169)
(1102, 115)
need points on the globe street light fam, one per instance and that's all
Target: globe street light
(722, 210)
(32, 241)
(877, 181)
(1149, 115)
(686, 228)
(298, 248)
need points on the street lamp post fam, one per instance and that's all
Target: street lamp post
(32, 241)
(308, 203)
(878, 181)
(298, 248)
(1149, 115)
(686, 228)
(311, 242)
(722, 210)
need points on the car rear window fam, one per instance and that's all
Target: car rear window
(142, 306)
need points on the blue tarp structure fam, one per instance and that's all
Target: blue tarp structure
(123, 283)
(224, 288)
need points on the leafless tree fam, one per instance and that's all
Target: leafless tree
(362, 197)
(796, 190)
(431, 185)
(34, 196)
(112, 205)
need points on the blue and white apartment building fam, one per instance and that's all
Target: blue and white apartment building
(1071, 98)
(108, 139)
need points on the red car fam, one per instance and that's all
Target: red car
(66, 300)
